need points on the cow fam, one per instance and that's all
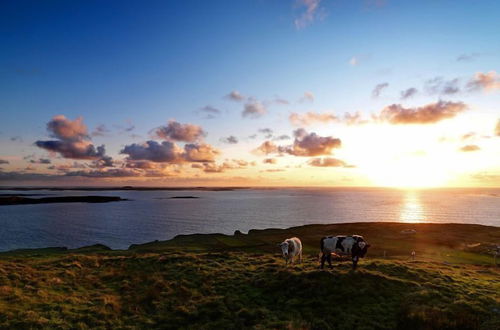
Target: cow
(353, 246)
(290, 248)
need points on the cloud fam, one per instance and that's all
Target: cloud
(235, 96)
(378, 89)
(41, 161)
(428, 114)
(310, 118)
(233, 164)
(267, 147)
(254, 109)
(304, 145)
(230, 139)
(408, 93)
(165, 151)
(210, 112)
(281, 137)
(175, 131)
(354, 61)
(311, 144)
(3, 161)
(16, 139)
(470, 148)
(497, 128)
(200, 153)
(101, 130)
(307, 97)
(440, 86)
(110, 173)
(484, 81)
(72, 141)
(268, 133)
(468, 57)
(311, 12)
(270, 161)
(328, 162)
(280, 101)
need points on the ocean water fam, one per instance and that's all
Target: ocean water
(152, 215)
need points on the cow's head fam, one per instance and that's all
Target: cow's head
(284, 248)
(360, 248)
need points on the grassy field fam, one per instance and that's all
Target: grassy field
(239, 281)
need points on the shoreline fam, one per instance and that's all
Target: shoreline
(386, 237)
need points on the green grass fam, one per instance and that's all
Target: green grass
(228, 282)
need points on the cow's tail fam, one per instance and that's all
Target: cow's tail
(321, 246)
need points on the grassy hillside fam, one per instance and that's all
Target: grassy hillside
(220, 281)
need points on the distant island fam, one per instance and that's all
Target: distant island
(21, 200)
(123, 188)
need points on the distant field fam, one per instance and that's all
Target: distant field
(223, 282)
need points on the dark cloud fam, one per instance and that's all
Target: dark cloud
(153, 151)
(101, 130)
(235, 96)
(378, 89)
(4, 161)
(408, 93)
(72, 141)
(175, 131)
(281, 137)
(439, 86)
(268, 133)
(41, 161)
(210, 112)
(230, 139)
(169, 152)
(469, 148)
(305, 144)
(254, 109)
(428, 114)
(328, 162)
(484, 81)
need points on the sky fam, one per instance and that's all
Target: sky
(250, 93)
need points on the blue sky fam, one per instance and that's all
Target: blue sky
(135, 63)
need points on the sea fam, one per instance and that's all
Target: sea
(154, 215)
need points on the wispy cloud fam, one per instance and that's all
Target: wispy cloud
(253, 109)
(377, 90)
(311, 11)
(408, 93)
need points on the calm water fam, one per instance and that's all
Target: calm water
(150, 215)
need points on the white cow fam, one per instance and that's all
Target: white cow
(290, 248)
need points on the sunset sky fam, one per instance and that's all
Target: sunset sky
(250, 93)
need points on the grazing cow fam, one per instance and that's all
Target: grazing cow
(290, 248)
(353, 246)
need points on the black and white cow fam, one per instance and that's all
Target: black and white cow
(290, 248)
(353, 246)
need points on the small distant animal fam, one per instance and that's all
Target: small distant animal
(354, 246)
(290, 248)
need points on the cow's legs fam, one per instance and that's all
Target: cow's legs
(329, 258)
(323, 258)
(354, 262)
(300, 257)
